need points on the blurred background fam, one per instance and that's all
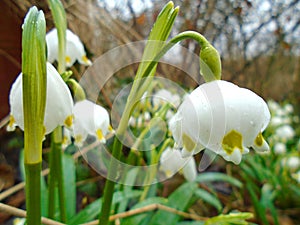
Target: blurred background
(258, 40)
(259, 43)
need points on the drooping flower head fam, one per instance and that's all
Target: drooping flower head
(59, 103)
(223, 118)
(284, 133)
(74, 48)
(171, 162)
(92, 119)
(164, 96)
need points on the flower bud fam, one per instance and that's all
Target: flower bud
(210, 63)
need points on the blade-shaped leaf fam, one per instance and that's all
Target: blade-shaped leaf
(69, 185)
(180, 199)
(232, 218)
(146, 216)
(92, 210)
(209, 198)
(215, 176)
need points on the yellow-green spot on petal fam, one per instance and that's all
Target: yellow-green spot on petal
(110, 128)
(168, 173)
(68, 59)
(188, 143)
(259, 140)
(100, 135)
(69, 121)
(231, 141)
(11, 124)
(65, 140)
(85, 59)
(78, 139)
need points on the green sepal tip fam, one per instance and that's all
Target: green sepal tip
(34, 78)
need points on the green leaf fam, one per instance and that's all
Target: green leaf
(156, 40)
(146, 216)
(129, 183)
(92, 210)
(267, 199)
(232, 218)
(209, 198)
(159, 30)
(260, 210)
(34, 83)
(215, 176)
(190, 223)
(158, 35)
(60, 21)
(44, 197)
(248, 171)
(180, 199)
(295, 189)
(69, 185)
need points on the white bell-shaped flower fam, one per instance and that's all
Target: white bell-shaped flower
(292, 162)
(66, 141)
(164, 96)
(59, 103)
(223, 118)
(273, 105)
(279, 148)
(296, 176)
(285, 133)
(92, 119)
(171, 162)
(74, 48)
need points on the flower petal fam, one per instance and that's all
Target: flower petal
(91, 119)
(59, 102)
(74, 48)
(221, 117)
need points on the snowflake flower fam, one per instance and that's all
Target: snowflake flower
(59, 103)
(74, 48)
(223, 118)
(92, 119)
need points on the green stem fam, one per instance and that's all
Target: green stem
(110, 184)
(56, 176)
(154, 160)
(150, 176)
(51, 187)
(33, 190)
(137, 91)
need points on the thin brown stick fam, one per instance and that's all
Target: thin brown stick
(22, 213)
(4, 121)
(12, 190)
(148, 208)
(21, 185)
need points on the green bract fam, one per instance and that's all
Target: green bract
(34, 83)
(210, 63)
(59, 16)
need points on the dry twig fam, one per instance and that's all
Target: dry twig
(22, 213)
(148, 208)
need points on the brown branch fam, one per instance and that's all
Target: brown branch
(148, 208)
(4, 121)
(22, 213)
(21, 185)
